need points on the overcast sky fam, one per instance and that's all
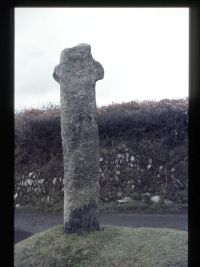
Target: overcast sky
(144, 52)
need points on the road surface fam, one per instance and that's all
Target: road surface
(28, 223)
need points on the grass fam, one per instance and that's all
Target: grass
(135, 206)
(109, 247)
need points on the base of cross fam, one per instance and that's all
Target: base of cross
(83, 219)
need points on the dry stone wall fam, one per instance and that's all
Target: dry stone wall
(143, 153)
(125, 173)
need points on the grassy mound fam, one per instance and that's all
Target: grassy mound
(112, 246)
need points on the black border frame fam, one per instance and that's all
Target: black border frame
(7, 106)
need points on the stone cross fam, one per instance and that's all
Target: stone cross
(77, 74)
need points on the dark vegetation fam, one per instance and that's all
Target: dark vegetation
(148, 130)
(37, 132)
(140, 120)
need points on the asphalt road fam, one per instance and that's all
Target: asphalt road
(28, 223)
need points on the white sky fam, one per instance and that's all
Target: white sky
(144, 52)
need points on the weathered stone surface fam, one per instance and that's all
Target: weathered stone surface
(77, 74)
(155, 199)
